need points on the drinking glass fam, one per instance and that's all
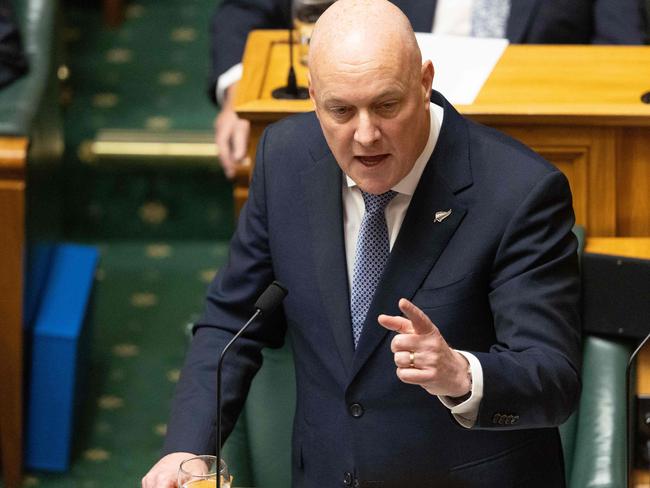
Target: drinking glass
(201, 472)
(305, 14)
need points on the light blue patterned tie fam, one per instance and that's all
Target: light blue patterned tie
(489, 18)
(373, 248)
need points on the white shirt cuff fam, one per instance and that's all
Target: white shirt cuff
(466, 412)
(233, 75)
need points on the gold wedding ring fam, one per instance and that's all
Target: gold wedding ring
(412, 359)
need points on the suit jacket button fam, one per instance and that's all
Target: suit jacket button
(356, 410)
(347, 479)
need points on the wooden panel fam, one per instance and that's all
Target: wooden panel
(643, 372)
(631, 247)
(12, 216)
(641, 479)
(633, 183)
(13, 154)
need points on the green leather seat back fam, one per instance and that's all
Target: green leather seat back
(599, 455)
(259, 449)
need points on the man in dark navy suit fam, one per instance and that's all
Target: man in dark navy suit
(524, 21)
(432, 276)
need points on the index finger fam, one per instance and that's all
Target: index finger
(420, 322)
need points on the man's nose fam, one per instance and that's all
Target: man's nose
(367, 131)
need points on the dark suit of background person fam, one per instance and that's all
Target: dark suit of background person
(530, 22)
(498, 277)
(13, 63)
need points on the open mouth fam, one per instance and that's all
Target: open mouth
(371, 160)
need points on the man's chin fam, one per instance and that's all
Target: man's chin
(376, 187)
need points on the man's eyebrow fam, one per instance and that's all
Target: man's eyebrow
(390, 93)
(335, 101)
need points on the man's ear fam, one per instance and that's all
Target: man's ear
(427, 73)
(312, 93)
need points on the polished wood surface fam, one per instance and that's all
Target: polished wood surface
(578, 106)
(631, 247)
(585, 85)
(13, 155)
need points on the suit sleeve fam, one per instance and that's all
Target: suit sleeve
(228, 305)
(531, 373)
(229, 29)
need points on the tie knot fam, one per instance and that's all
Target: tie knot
(376, 203)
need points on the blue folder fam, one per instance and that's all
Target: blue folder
(59, 301)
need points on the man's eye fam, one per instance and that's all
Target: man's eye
(339, 111)
(388, 106)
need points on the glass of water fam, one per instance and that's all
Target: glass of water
(201, 472)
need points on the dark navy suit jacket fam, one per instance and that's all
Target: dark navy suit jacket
(530, 22)
(498, 277)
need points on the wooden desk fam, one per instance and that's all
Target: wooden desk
(578, 106)
(13, 157)
(631, 247)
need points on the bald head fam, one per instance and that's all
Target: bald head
(351, 31)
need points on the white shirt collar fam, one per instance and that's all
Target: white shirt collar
(408, 184)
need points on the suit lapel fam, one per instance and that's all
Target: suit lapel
(421, 239)
(521, 15)
(322, 185)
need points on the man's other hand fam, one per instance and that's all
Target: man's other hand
(164, 474)
(422, 355)
(231, 134)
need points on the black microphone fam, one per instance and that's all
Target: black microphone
(291, 91)
(264, 306)
(630, 437)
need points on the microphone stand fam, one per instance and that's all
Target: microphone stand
(219, 365)
(265, 304)
(291, 91)
(630, 437)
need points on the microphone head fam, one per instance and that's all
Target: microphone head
(271, 298)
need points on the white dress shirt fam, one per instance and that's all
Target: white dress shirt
(354, 208)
